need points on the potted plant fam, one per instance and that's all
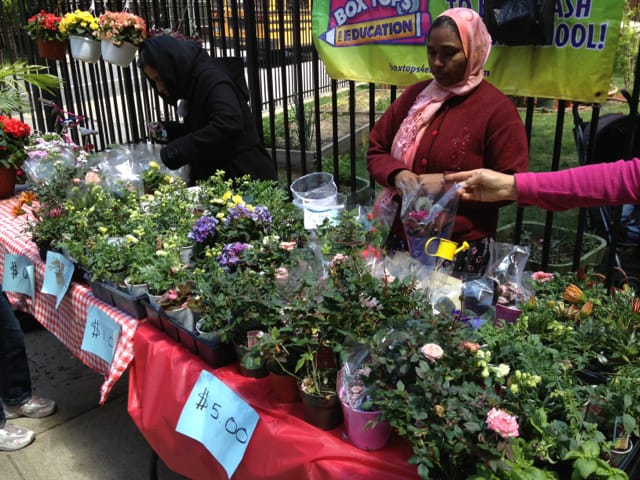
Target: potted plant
(121, 33)
(363, 423)
(14, 134)
(281, 358)
(320, 403)
(84, 35)
(44, 27)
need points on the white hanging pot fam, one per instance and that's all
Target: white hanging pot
(121, 56)
(84, 48)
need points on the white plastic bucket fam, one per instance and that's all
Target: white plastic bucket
(316, 212)
(316, 189)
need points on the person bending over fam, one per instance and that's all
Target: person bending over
(219, 131)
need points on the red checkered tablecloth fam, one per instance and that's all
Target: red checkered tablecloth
(67, 322)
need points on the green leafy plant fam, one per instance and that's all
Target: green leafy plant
(13, 79)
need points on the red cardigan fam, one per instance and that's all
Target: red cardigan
(482, 129)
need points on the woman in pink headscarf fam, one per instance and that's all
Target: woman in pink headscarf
(457, 121)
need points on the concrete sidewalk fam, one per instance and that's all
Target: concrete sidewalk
(82, 440)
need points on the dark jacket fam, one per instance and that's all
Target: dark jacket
(219, 130)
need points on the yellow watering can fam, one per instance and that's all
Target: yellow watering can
(444, 248)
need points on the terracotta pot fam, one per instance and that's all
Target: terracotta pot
(52, 49)
(283, 385)
(321, 412)
(7, 182)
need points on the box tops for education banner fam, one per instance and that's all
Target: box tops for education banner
(384, 41)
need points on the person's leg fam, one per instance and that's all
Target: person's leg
(12, 437)
(15, 384)
(15, 379)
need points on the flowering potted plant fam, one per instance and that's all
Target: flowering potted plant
(121, 33)
(14, 135)
(45, 29)
(83, 30)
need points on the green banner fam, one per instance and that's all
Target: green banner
(384, 41)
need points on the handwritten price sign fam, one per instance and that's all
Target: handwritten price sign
(101, 334)
(18, 275)
(217, 417)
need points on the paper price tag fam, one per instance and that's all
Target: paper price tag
(57, 275)
(217, 417)
(101, 334)
(19, 275)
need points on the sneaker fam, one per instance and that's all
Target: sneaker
(14, 438)
(36, 407)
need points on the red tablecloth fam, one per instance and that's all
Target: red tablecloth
(67, 322)
(283, 446)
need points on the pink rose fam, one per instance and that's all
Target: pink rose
(288, 245)
(502, 423)
(92, 177)
(281, 275)
(337, 258)
(542, 276)
(431, 351)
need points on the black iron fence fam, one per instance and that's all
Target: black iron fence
(309, 121)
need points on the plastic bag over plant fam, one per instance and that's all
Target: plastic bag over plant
(425, 216)
(350, 384)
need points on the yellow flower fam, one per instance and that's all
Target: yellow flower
(102, 229)
(154, 165)
(439, 410)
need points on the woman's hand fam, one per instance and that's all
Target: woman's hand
(484, 185)
(408, 182)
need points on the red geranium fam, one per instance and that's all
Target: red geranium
(13, 137)
(45, 26)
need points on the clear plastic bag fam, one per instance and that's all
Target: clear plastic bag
(425, 216)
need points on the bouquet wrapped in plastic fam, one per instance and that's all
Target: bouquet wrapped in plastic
(425, 216)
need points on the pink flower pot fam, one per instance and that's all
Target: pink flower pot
(506, 314)
(361, 431)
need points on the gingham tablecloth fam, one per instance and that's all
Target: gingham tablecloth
(67, 322)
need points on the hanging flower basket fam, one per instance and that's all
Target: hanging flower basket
(52, 49)
(84, 48)
(121, 56)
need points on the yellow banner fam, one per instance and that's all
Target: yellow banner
(384, 41)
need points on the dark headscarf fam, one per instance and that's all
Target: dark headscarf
(174, 60)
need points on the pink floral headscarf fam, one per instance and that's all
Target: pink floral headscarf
(476, 43)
